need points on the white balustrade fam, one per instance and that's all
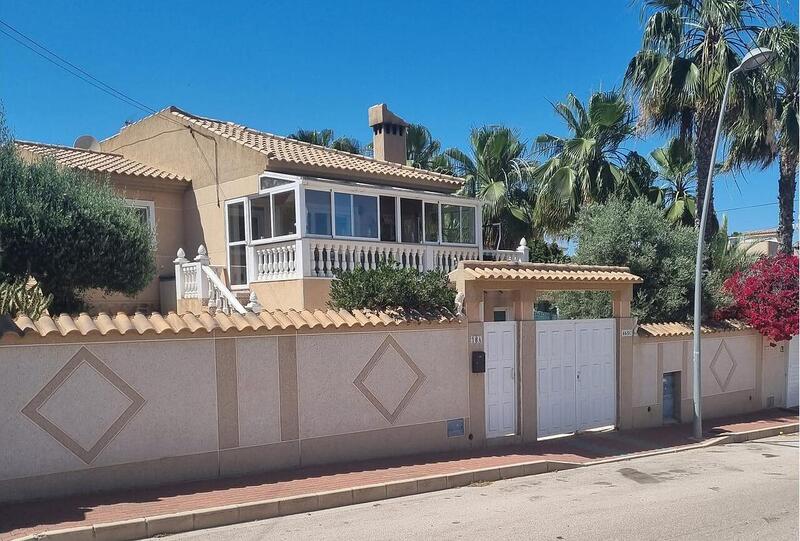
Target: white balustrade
(328, 256)
(275, 261)
(520, 255)
(199, 280)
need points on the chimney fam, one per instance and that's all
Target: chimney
(388, 134)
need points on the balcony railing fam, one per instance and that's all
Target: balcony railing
(321, 258)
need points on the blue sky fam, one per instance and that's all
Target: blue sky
(279, 66)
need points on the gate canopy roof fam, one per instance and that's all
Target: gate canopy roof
(579, 275)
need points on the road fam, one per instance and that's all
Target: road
(737, 491)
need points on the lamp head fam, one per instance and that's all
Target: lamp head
(756, 58)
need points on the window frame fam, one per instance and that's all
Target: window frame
(245, 201)
(476, 217)
(398, 193)
(271, 192)
(148, 205)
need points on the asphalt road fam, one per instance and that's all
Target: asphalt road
(737, 491)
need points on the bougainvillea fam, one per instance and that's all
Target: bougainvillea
(766, 297)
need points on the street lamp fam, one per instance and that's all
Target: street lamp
(754, 59)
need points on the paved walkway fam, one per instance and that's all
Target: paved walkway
(22, 519)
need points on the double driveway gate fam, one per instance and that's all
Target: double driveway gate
(576, 375)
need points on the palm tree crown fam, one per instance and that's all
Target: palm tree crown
(675, 168)
(498, 170)
(326, 138)
(586, 165)
(688, 49)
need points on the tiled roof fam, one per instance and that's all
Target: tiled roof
(299, 153)
(685, 329)
(172, 323)
(97, 162)
(502, 270)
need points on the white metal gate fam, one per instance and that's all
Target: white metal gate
(793, 374)
(500, 345)
(576, 375)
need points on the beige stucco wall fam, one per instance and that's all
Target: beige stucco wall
(732, 375)
(307, 294)
(168, 200)
(203, 406)
(219, 168)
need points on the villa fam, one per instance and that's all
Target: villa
(270, 218)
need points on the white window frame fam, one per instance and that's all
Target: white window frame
(299, 211)
(505, 309)
(246, 242)
(475, 225)
(352, 217)
(360, 188)
(145, 204)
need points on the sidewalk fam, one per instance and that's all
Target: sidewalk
(17, 520)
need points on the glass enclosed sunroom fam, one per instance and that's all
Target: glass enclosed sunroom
(298, 227)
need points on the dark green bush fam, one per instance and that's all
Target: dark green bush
(69, 231)
(636, 235)
(390, 287)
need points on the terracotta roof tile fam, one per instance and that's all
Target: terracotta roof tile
(290, 151)
(675, 328)
(503, 270)
(96, 162)
(172, 323)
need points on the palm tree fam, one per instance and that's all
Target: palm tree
(675, 167)
(497, 169)
(688, 49)
(425, 152)
(767, 127)
(587, 165)
(326, 138)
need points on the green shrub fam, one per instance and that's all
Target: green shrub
(20, 296)
(69, 231)
(637, 235)
(390, 287)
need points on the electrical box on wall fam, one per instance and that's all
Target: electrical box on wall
(478, 362)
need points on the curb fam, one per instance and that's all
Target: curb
(141, 528)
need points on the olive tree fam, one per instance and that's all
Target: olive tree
(69, 231)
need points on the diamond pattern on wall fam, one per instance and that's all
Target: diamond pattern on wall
(723, 365)
(84, 406)
(390, 379)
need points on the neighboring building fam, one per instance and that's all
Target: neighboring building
(276, 217)
(758, 242)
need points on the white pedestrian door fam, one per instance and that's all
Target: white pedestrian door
(500, 345)
(793, 374)
(575, 371)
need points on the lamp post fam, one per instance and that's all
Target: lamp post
(754, 59)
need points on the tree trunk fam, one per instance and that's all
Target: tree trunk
(787, 184)
(705, 128)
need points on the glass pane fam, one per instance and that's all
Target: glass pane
(343, 216)
(236, 230)
(238, 264)
(365, 216)
(468, 225)
(144, 214)
(318, 212)
(260, 226)
(268, 182)
(431, 222)
(285, 221)
(388, 219)
(411, 220)
(451, 223)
